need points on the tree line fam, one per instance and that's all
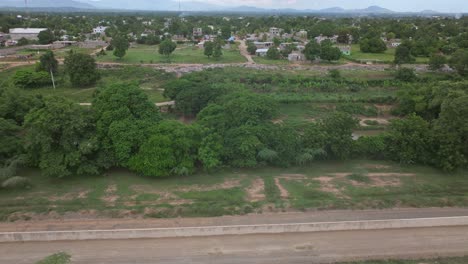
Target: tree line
(235, 127)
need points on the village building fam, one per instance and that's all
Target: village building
(99, 30)
(345, 49)
(167, 23)
(296, 57)
(302, 34)
(321, 38)
(393, 43)
(179, 38)
(92, 44)
(275, 32)
(261, 52)
(197, 32)
(262, 45)
(27, 33)
(3, 38)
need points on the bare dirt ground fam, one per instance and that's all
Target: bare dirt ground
(318, 247)
(244, 52)
(381, 121)
(256, 191)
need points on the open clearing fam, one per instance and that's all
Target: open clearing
(359, 184)
(183, 54)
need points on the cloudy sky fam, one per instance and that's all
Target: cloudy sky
(396, 5)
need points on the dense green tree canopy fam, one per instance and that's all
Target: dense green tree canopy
(123, 118)
(46, 37)
(48, 63)
(167, 47)
(121, 45)
(61, 139)
(373, 45)
(171, 149)
(81, 68)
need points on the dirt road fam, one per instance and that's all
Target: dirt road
(321, 247)
(244, 52)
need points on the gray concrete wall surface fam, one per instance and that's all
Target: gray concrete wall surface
(231, 230)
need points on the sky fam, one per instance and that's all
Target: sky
(453, 6)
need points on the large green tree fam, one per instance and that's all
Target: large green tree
(171, 149)
(123, 116)
(403, 54)
(451, 134)
(81, 68)
(408, 139)
(209, 47)
(459, 61)
(45, 37)
(273, 53)
(338, 130)
(10, 140)
(121, 45)
(48, 63)
(61, 139)
(167, 47)
(373, 45)
(312, 51)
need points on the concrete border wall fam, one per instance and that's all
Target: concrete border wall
(230, 230)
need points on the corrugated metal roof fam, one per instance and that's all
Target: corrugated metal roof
(26, 30)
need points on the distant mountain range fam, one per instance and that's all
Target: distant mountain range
(151, 5)
(47, 4)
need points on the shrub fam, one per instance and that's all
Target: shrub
(16, 182)
(59, 258)
(334, 74)
(359, 178)
(31, 79)
(357, 109)
(405, 75)
(371, 122)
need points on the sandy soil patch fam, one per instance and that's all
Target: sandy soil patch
(391, 174)
(292, 176)
(227, 184)
(381, 121)
(376, 166)
(326, 185)
(256, 191)
(70, 196)
(110, 197)
(283, 192)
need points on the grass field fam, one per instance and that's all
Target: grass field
(459, 260)
(387, 57)
(324, 185)
(148, 79)
(183, 54)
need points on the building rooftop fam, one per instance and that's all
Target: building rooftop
(26, 30)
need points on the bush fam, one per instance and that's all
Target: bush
(371, 122)
(357, 109)
(405, 75)
(357, 177)
(16, 182)
(59, 258)
(334, 74)
(31, 79)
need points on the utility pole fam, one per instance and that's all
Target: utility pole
(52, 76)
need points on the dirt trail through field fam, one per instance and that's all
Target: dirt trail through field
(244, 52)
